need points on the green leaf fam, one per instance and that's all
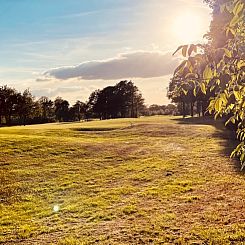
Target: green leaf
(191, 49)
(228, 53)
(240, 64)
(185, 91)
(231, 119)
(235, 20)
(238, 94)
(238, 8)
(218, 105)
(230, 30)
(207, 74)
(195, 92)
(212, 88)
(203, 88)
(181, 67)
(180, 47)
(184, 50)
(223, 98)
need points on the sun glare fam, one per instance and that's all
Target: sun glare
(187, 28)
(56, 208)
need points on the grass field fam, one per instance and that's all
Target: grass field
(156, 180)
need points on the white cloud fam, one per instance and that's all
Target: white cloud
(153, 89)
(139, 64)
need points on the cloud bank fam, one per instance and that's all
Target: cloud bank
(140, 64)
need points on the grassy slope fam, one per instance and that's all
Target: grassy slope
(157, 182)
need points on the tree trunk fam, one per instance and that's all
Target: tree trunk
(203, 108)
(183, 109)
(192, 112)
(8, 119)
(199, 108)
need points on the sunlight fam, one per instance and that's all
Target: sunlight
(187, 28)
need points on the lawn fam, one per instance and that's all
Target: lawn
(153, 180)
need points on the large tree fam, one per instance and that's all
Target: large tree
(61, 109)
(121, 100)
(47, 107)
(77, 111)
(217, 69)
(8, 102)
(25, 106)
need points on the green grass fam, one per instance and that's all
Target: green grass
(154, 180)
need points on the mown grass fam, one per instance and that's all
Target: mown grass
(154, 180)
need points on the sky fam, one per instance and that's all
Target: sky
(70, 48)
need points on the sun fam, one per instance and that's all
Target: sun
(187, 28)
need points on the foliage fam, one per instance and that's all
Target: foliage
(154, 109)
(119, 101)
(216, 70)
(122, 100)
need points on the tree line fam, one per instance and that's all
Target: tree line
(211, 78)
(18, 108)
(119, 101)
(154, 110)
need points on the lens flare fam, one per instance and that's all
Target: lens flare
(56, 208)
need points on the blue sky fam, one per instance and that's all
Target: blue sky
(39, 35)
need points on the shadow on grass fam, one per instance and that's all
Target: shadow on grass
(94, 129)
(222, 132)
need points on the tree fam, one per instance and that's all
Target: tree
(24, 106)
(8, 103)
(92, 106)
(61, 109)
(47, 108)
(217, 69)
(121, 100)
(77, 111)
(129, 100)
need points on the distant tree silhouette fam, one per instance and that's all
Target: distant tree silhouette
(119, 101)
(47, 109)
(8, 103)
(61, 109)
(169, 109)
(24, 106)
(77, 111)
